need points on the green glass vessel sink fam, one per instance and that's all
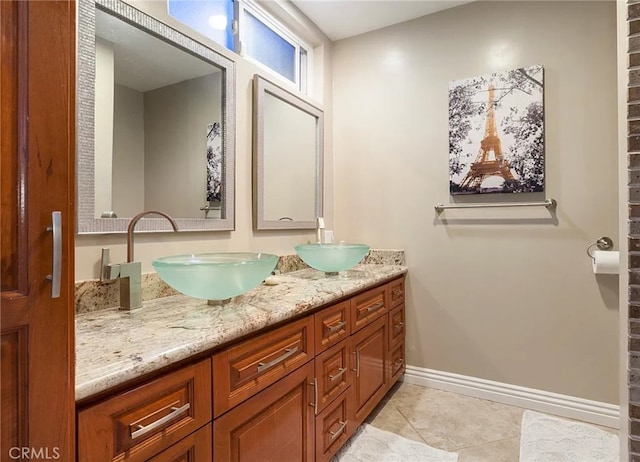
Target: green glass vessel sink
(332, 258)
(215, 276)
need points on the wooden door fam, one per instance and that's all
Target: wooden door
(276, 425)
(369, 363)
(37, 177)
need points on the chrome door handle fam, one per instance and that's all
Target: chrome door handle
(357, 369)
(56, 271)
(314, 384)
(288, 352)
(336, 327)
(175, 412)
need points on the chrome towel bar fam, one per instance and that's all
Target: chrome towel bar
(549, 203)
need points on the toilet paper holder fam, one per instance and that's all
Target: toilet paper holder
(604, 243)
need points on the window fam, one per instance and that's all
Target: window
(212, 18)
(257, 36)
(266, 41)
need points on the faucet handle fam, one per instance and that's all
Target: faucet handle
(108, 272)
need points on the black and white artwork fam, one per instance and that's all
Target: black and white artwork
(496, 133)
(214, 163)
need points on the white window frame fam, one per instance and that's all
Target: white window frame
(302, 71)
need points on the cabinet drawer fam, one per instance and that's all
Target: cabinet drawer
(332, 325)
(196, 447)
(139, 423)
(243, 370)
(397, 363)
(396, 291)
(396, 326)
(368, 306)
(332, 373)
(333, 428)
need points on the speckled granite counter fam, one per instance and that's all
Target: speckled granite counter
(113, 347)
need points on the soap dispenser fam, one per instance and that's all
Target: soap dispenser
(319, 228)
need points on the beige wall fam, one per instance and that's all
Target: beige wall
(500, 294)
(149, 157)
(104, 126)
(153, 245)
(128, 152)
(175, 129)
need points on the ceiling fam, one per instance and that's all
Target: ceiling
(137, 63)
(340, 19)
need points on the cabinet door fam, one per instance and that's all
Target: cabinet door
(276, 425)
(369, 362)
(194, 448)
(37, 179)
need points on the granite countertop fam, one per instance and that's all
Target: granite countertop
(113, 346)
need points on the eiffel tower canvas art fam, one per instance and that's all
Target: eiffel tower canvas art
(496, 133)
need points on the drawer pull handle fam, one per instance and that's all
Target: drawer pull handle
(335, 434)
(398, 292)
(399, 362)
(375, 307)
(287, 353)
(399, 325)
(336, 327)
(338, 375)
(144, 429)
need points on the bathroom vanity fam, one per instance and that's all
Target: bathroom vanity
(284, 372)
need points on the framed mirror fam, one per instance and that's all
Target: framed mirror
(287, 159)
(156, 124)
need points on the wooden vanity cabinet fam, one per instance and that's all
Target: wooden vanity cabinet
(294, 393)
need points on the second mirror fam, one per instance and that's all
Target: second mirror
(287, 159)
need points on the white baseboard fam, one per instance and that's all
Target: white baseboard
(537, 400)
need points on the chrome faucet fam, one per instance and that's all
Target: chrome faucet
(129, 273)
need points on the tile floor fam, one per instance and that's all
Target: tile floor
(478, 430)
